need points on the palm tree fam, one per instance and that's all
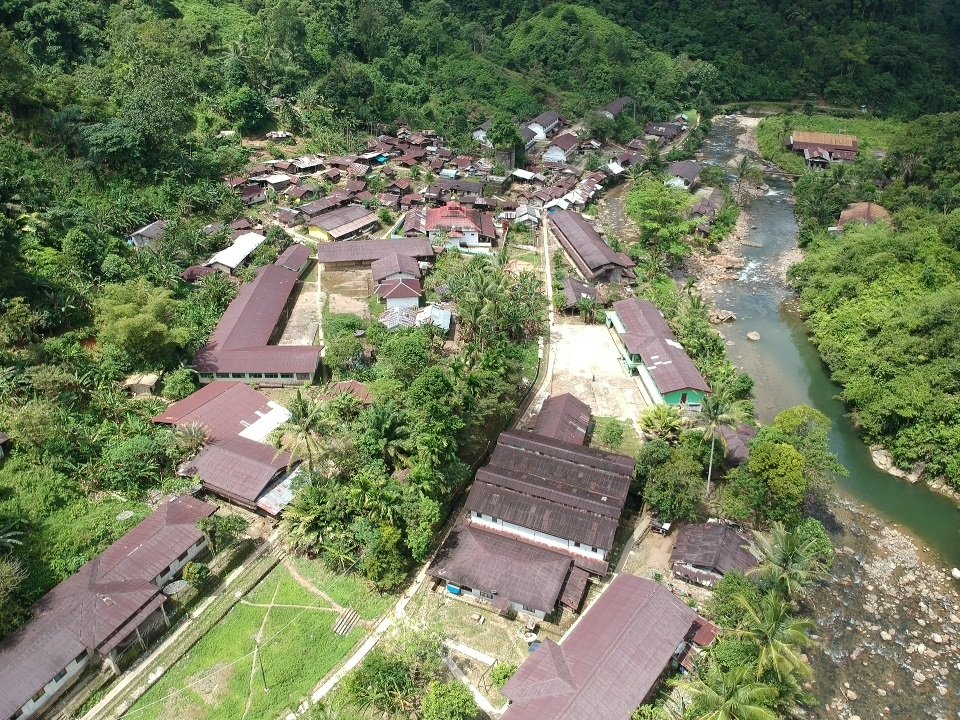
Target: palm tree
(776, 635)
(304, 520)
(391, 433)
(190, 438)
(587, 307)
(788, 560)
(718, 412)
(747, 170)
(300, 436)
(733, 695)
(662, 421)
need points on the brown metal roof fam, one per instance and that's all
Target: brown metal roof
(237, 469)
(802, 140)
(224, 408)
(564, 417)
(716, 547)
(399, 289)
(350, 387)
(689, 170)
(648, 335)
(99, 606)
(574, 588)
(241, 340)
(554, 487)
(565, 142)
(392, 264)
(586, 248)
(612, 660)
(345, 221)
(866, 212)
(370, 250)
(573, 290)
(514, 571)
(618, 105)
(294, 258)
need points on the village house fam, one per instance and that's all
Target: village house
(528, 136)
(352, 388)
(395, 267)
(520, 215)
(252, 195)
(587, 249)
(343, 223)
(544, 124)
(230, 258)
(112, 602)
(236, 463)
(359, 254)
(614, 109)
(649, 349)
(400, 293)
(460, 228)
(480, 132)
(705, 552)
(553, 493)
(683, 174)
(865, 213)
(707, 205)
(302, 192)
(564, 417)
(561, 148)
(574, 291)
(241, 345)
(612, 660)
(147, 235)
(821, 150)
(662, 132)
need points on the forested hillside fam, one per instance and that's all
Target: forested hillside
(897, 56)
(882, 300)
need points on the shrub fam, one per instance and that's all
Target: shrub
(449, 701)
(502, 672)
(196, 573)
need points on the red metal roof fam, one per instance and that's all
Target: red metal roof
(585, 245)
(100, 605)
(224, 408)
(393, 264)
(452, 216)
(564, 417)
(554, 487)
(237, 469)
(612, 660)
(399, 289)
(648, 335)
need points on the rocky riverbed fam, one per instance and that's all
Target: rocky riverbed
(888, 635)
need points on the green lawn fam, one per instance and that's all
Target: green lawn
(217, 680)
(873, 134)
(347, 590)
(631, 439)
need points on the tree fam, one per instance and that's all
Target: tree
(301, 435)
(382, 682)
(674, 490)
(140, 321)
(611, 434)
(789, 560)
(196, 573)
(732, 695)
(664, 422)
(384, 563)
(180, 383)
(501, 674)
(190, 438)
(777, 636)
(661, 214)
(747, 171)
(718, 412)
(770, 486)
(222, 531)
(726, 605)
(449, 701)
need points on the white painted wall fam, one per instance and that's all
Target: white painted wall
(538, 537)
(52, 688)
(411, 303)
(555, 154)
(177, 565)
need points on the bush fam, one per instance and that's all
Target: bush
(449, 701)
(179, 384)
(612, 434)
(196, 573)
(502, 672)
(723, 606)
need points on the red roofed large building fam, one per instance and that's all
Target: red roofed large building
(460, 228)
(612, 661)
(241, 347)
(587, 249)
(112, 602)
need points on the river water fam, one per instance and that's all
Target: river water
(884, 582)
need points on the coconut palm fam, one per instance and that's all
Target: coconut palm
(788, 560)
(718, 412)
(777, 636)
(390, 432)
(733, 695)
(302, 434)
(304, 520)
(190, 438)
(747, 170)
(662, 421)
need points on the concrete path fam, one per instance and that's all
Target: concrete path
(480, 698)
(469, 652)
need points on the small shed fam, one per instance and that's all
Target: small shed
(140, 384)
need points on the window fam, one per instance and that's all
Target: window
(17, 714)
(576, 544)
(532, 611)
(487, 595)
(40, 694)
(80, 657)
(270, 375)
(286, 376)
(239, 376)
(683, 398)
(60, 675)
(182, 556)
(223, 375)
(255, 375)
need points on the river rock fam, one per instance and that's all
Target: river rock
(956, 573)
(937, 638)
(722, 316)
(884, 635)
(919, 677)
(851, 695)
(754, 335)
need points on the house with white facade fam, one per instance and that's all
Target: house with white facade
(561, 148)
(460, 228)
(230, 258)
(147, 235)
(400, 293)
(480, 132)
(545, 124)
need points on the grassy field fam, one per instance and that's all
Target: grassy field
(219, 680)
(873, 133)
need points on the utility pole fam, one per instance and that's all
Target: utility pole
(263, 675)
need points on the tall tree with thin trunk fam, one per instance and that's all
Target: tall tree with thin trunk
(717, 412)
(777, 636)
(733, 695)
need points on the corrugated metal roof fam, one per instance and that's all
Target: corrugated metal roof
(564, 417)
(224, 408)
(93, 609)
(370, 250)
(242, 246)
(554, 487)
(295, 258)
(237, 469)
(802, 139)
(585, 245)
(716, 547)
(574, 290)
(394, 263)
(648, 335)
(610, 662)
(512, 570)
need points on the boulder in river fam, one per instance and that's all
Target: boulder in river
(753, 335)
(722, 316)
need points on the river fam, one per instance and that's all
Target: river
(891, 595)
